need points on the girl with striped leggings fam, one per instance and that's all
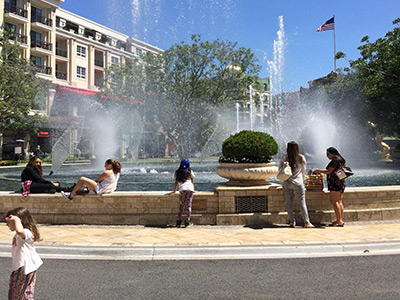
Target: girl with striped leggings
(184, 180)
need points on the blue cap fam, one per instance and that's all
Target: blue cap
(185, 165)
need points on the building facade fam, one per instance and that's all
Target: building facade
(70, 51)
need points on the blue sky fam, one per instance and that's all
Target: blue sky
(253, 24)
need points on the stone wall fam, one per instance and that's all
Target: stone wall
(214, 208)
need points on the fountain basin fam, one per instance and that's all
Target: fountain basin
(247, 174)
(228, 205)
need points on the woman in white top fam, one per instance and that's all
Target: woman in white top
(294, 185)
(106, 183)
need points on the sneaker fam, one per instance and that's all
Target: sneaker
(309, 226)
(188, 224)
(66, 195)
(178, 223)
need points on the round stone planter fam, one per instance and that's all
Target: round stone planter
(247, 174)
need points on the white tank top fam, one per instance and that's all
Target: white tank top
(108, 185)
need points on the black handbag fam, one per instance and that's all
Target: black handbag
(343, 172)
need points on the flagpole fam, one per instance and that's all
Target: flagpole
(334, 43)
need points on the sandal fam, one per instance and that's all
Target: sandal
(293, 225)
(338, 225)
(309, 226)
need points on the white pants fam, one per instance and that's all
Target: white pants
(292, 190)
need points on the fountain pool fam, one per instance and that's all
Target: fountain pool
(159, 176)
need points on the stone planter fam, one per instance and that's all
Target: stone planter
(247, 174)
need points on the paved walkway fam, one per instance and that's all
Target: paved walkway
(210, 236)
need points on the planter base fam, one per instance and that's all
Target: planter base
(249, 174)
(234, 182)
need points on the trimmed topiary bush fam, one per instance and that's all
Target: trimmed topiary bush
(248, 146)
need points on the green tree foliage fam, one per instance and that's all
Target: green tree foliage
(369, 91)
(378, 71)
(182, 88)
(18, 89)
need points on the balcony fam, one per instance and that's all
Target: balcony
(99, 63)
(15, 12)
(43, 69)
(43, 20)
(22, 39)
(61, 52)
(43, 23)
(41, 45)
(61, 75)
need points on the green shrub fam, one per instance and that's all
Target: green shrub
(249, 147)
(72, 158)
(8, 163)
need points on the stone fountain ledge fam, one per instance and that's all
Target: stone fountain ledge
(209, 208)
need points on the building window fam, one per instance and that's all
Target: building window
(139, 51)
(36, 37)
(114, 60)
(36, 14)
(81, 51)
(81, 72)
(37, 61)
(10, 27)
(11, 2)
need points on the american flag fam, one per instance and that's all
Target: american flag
(328, 25)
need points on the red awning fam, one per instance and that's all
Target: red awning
(63, 90)
(43, 134)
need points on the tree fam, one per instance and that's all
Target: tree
(183, 87)
(378, 70)
(18, 88)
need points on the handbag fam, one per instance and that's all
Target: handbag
(285, 172)
(343, 172)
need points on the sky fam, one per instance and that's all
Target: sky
(308, 54)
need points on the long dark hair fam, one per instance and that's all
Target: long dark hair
(31, 163)
(182, 176)
(116, 165)
(26, 220)
(336, 155)
(293, 154)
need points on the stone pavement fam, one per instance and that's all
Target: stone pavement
(139, 242)
(201, 235)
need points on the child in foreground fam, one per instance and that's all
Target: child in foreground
(25, 260)
(184, 179)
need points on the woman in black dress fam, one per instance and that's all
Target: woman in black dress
(336, 186)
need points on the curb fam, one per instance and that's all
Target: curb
(211, 253)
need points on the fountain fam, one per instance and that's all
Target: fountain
(141, 198)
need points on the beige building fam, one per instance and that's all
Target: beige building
(69, 50)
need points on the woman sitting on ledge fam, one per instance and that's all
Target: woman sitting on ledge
(106, 183)
(33, 181)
